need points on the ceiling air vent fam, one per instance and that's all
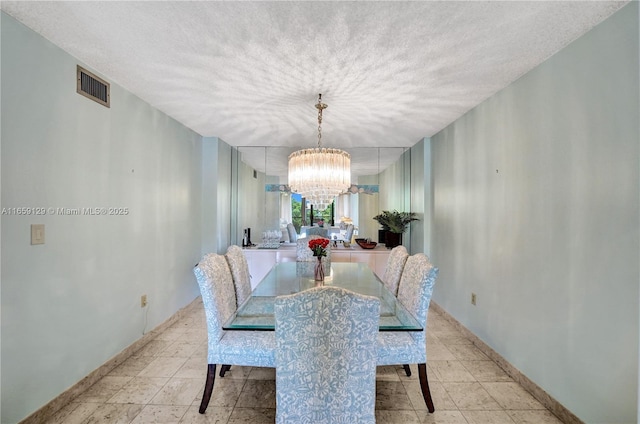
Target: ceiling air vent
(93, 87)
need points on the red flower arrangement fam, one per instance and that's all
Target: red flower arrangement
(319, 246)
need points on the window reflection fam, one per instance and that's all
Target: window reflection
(263, 201)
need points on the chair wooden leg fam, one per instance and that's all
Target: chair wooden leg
(208, 387)
(407, 370)
(224, 369)
(424, 385)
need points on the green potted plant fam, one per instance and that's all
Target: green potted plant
(394, 224)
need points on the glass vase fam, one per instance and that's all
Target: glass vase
(318, 272)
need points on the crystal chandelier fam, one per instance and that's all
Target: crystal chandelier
(320, 174)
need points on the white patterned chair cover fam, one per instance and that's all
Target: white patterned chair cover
(414, 292)
(395, 265)
(305, 254)
(325, 357)
(317, 231)
(245, 348)
(240, 273)
(293, 236)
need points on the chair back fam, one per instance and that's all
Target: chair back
(218, 293)
(326, 356)
(305, 254)
(415, 290)
(317, 231)
(395, 265)
(293, 236)
(240, 273)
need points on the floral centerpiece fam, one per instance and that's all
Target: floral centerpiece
(319, 248)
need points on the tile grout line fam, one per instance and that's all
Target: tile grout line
(190, 324)
(555, 407)
(63, 399)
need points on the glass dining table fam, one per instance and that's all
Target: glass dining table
(256, 313)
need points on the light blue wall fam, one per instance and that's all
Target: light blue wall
(395, 186)
(209, 163)
(222, 213)
(252, 202)
(396, 191)
(217, 192)
(368, 206)
(216, 195)
(421, 197)
(536, 210)
(73, 303)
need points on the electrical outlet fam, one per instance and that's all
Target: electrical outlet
(473, 299)
(37, 233)
(143, 300)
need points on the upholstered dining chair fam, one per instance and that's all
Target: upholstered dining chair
(317, 231)
(393, 270)
(326, 356)
(305, 254)
(241, 281)
(244, 348)
(293, 235)
(414, 292)
(240, 272)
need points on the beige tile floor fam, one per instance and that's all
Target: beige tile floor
(163, 383)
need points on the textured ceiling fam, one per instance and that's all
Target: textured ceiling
(250, 72)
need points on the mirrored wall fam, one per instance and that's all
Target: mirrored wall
(262, 201)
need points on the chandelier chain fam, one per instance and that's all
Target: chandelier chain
(320, 106)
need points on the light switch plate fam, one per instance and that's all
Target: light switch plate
(37, 233)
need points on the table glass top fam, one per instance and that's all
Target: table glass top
(292, 277)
